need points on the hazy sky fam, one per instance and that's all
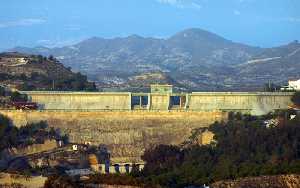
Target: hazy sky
(60, 22)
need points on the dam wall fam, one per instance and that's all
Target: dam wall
(81, 100)
(159, 102)
(256, 103)
(126, 134)
(128, 123)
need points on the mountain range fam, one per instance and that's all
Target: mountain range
(193, 59)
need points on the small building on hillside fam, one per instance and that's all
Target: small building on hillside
(13, 58)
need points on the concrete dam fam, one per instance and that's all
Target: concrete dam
(255, 103)
(128, 123)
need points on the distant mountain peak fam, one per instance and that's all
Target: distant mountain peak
(91, 39)
(194, 58)
(196, 33)
(134, 36)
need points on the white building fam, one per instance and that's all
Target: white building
(294, 85)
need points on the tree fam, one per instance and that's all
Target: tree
(18, 97)
(40, 58)
(7, 133)
(161, 158)
(33, 133)
(60, 182)
(244, 147)
(296, 98)
(51, 58)
(2, 91)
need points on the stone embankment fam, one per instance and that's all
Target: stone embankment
(126, 134)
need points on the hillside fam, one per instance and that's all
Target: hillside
(35, 72)
(194, 58)
(245, 146)
(281, 63)
(139, 82)
(279, 181)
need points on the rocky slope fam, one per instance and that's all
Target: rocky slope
(125, 134)
(194, 58)
(32, 72)
(280, 181)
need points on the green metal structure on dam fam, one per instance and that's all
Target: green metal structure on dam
(162, 98)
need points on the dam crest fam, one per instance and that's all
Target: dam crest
(162, 98)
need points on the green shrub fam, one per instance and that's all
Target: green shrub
(18, 97)
(2, 91)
